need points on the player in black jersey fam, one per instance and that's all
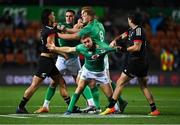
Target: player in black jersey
(46, 64)
(136, 63)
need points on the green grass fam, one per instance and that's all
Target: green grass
(167, 100)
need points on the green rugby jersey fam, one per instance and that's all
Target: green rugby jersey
(61, 42)
(96, 31)
(94, 60)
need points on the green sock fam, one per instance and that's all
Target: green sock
(120, 100)
(50, 93)
(87, 93)
(95, 94)
(73, 101)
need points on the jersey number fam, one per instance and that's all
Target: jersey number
(101, 36)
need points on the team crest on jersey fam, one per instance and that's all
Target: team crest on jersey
(89, 52)
(95, 56)
(102, 51)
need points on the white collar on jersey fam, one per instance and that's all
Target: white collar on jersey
(49, 27)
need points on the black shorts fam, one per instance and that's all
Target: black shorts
(46, 67)
(136, 67)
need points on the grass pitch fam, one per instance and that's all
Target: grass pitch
(167, 100)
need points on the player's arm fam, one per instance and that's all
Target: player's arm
(135, 47)
(60, 50)
(62, 28)
(64, 49)
(76, 28)
(122, 36)
(73, 36)
(79, 24)
(51, 39)
(138, 39)
(72, 30)
(76, 36)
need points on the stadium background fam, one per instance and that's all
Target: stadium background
(20, 25)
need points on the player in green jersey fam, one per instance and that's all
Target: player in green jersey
(96, 31)
(93, 69)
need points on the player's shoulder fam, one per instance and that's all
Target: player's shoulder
(94, 22)
(80, 46)
(47, 30)
(139, 30)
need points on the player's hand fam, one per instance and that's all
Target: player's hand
(51, 46)
(61, 28)
(121, 49)
(55, 24)
(113, 43)
(79, 24)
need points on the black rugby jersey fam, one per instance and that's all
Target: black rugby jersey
(137, 35)
(45, 32)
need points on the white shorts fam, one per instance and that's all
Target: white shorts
(68, 67)
(100, 77)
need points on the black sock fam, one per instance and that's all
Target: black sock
(112, 103)
(67, 100)
(23, 102)
(153, 106)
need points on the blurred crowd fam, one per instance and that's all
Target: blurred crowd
(19, 39)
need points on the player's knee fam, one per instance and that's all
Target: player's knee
(53, 84)
(143, 82)
(92, 85)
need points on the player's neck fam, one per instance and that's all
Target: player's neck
(134, 26)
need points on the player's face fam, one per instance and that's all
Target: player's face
(52, 17)
(69, 17)
(85, 17)
(129, 22)
(87, 42)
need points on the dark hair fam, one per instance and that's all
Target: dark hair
(135, 17)
(93, 48)
(85, 36)
(44, 16)
(71, 11)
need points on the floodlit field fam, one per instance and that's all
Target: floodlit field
(167, 100)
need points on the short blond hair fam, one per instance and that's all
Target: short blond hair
(89, 10)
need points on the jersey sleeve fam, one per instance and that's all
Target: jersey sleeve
(79, 48)
(106, 50)
(84, 31)
(138, 35)
(50, 32)
(110, 49)
(104, 45)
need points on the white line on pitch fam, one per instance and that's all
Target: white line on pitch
(80, 116)
(14, 116)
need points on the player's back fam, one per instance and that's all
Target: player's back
(96, 31)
